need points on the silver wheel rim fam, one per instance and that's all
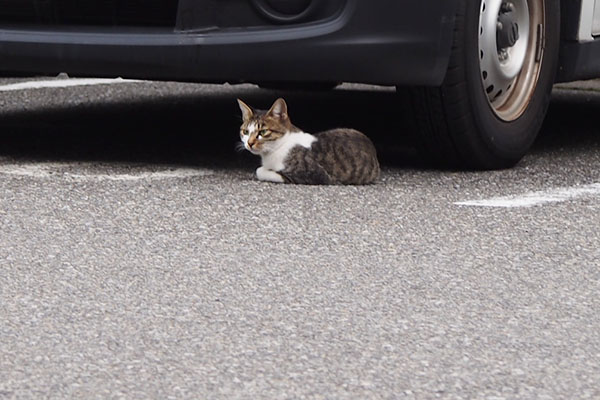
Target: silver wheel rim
(509, 72)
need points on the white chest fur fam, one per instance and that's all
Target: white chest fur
(274, 159)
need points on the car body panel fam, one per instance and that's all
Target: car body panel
(596, 21)
(402, 42)
(584, 32)
(380, 42)
(579, 56)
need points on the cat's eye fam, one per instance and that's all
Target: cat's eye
(264, 133)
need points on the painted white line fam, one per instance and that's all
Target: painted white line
(62, 83)
(531, 199)
(57, 171)
(169, 174)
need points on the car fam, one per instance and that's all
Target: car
(479, 72)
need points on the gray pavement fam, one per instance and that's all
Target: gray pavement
(139, 259)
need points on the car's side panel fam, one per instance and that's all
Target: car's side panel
(382, 42)
(586, 20)
(596, 23)
(580, 50)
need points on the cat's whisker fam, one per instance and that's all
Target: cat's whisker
(239, 147)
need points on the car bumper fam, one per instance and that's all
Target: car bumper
(403, 42)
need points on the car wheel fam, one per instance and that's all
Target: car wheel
(497, 88)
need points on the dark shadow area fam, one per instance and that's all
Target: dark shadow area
(572, 123)
(201, 128)
(196, 129)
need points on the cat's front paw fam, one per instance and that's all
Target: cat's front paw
(268, 175)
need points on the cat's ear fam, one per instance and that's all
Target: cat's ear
(247, 112)
(279, 109)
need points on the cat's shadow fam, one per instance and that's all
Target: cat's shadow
(202, 128)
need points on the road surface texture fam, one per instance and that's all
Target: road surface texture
(140, 258)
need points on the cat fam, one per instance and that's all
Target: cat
(289, 155)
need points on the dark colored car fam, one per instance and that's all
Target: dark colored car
(481, 71)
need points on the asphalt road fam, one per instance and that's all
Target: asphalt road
(139, 258)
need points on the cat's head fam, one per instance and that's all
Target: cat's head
(260, 130)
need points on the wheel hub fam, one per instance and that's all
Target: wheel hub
(507, 32)
(504, 38)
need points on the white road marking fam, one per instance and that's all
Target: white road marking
(531, 199)
(57, 171)
(62, 83)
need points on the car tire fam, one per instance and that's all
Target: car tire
(492, 102)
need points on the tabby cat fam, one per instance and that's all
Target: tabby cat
(289, 155)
